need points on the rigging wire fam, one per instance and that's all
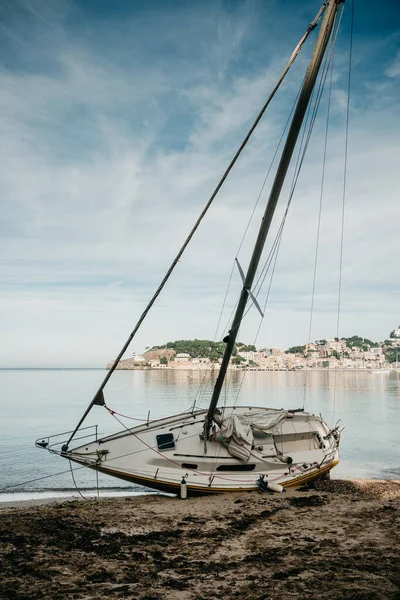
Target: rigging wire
(246, 230)
(244, 236)
(299, 162)
(270, 258)
(344, 190)
(273, 255)
(264, 307)
(251, 218)
(302, 153)
(254, 209)
(176, 463)
(98, 397)
(345, 167)
(22, 483)
(270, 285)
(319, 220)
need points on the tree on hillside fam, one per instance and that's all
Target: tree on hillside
(246, 348)
(296, 350)
(391, 354)
(359, 342)
(238, 360)
(201, 348)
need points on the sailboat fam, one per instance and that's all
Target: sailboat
(222, 449)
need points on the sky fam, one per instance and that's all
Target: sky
(118, 119)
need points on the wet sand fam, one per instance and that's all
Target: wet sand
(339, 540)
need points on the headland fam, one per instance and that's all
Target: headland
(351, 354)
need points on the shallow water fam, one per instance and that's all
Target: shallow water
(38, 403)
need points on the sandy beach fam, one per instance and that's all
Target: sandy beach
(338, 540)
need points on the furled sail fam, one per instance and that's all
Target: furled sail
(237, 437)
(266, 420)
(236, 431)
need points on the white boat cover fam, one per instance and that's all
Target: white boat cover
(263, 420)
(236, 430)
(237, 437)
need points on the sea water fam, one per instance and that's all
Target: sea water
(39, 403)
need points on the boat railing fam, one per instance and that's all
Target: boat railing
(54, 443)
(329, 457)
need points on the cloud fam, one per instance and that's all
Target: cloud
(111, 146)
(394, 69)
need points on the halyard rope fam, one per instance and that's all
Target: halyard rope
(319, 220)
(344, 193)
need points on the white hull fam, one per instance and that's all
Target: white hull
(299, 448)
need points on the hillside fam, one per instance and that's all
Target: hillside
(198, 349)
(344, 346)
(195, 348)
(351, 352)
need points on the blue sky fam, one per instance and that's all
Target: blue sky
(117, 120)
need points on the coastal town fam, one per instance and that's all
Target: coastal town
(354, 353)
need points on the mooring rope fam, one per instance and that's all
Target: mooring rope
(73, 479)
(15, 485)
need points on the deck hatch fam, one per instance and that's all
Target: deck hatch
(165, 441)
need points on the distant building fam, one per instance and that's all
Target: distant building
(182, 357)
(331, 346)
(139, 359)
(251, 355)
(376, 351)
(395, 333)
(158, 365)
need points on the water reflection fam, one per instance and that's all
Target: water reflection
(40, 403)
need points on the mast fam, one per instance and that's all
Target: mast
(98, 398)
(302, 104)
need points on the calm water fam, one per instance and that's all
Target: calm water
(38, 403)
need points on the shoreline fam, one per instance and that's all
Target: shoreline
(44, 497)
(255, 369)
(31, 498)
(338, 540)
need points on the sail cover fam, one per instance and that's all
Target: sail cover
(237, 437)
(236, 430)
(263, 420)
